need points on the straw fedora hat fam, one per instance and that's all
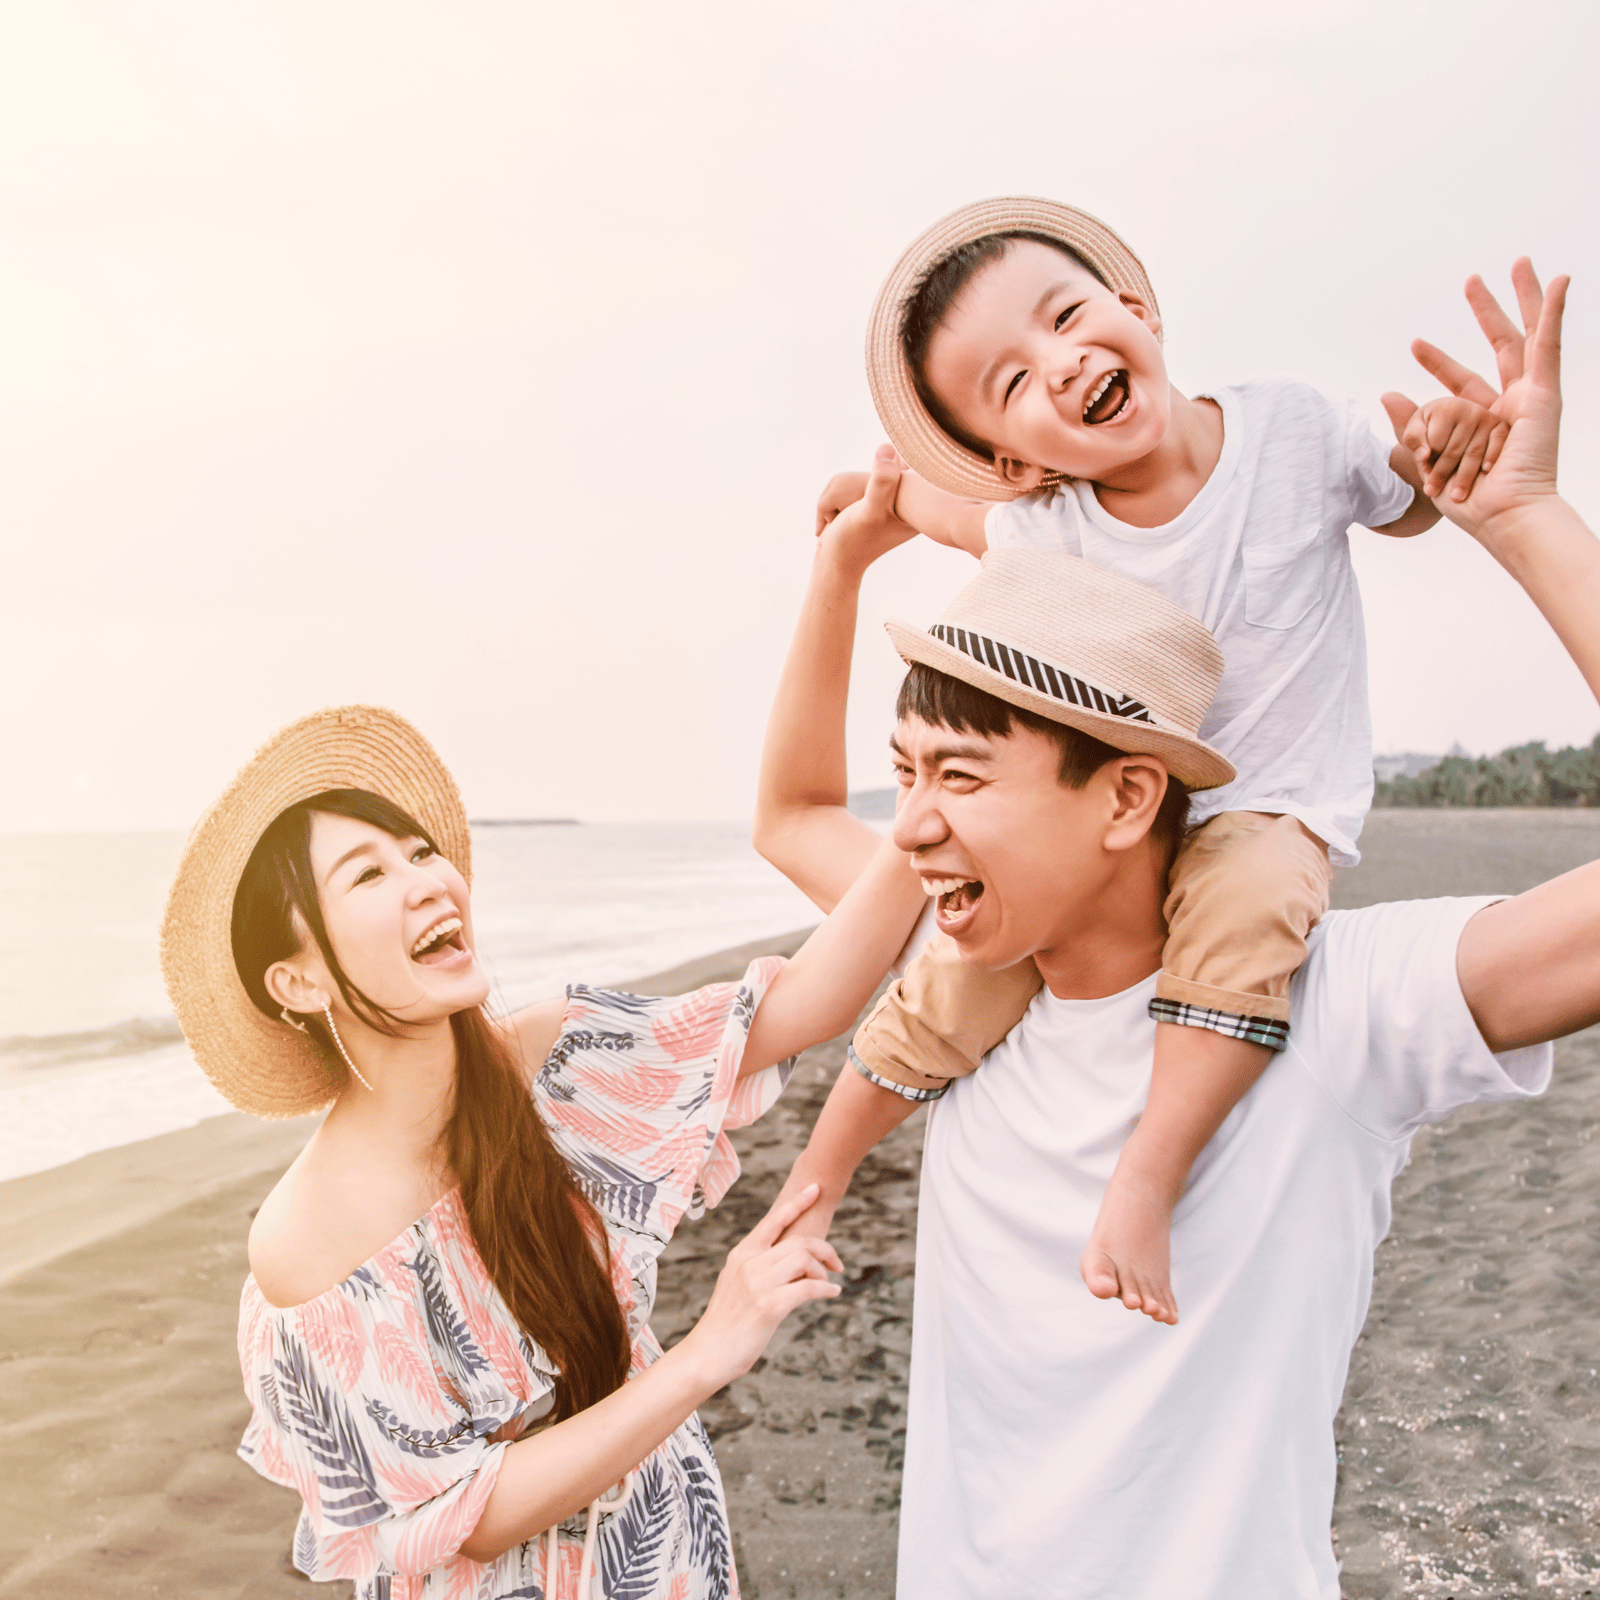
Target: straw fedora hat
(262, 1066)
(1070, 641)
(925, 445)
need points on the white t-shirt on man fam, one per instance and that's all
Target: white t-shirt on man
(1060, 1446)
(1261, 556)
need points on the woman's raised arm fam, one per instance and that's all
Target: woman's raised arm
(1530, 967)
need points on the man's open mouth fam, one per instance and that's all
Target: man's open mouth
(956, 898)
(1107, 398)
(439, 943)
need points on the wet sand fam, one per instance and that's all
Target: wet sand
(1470, 1438)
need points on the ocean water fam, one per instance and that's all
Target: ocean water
(91, 1056)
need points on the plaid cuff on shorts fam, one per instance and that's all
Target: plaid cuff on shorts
(900, 1089)
(1253, 1030)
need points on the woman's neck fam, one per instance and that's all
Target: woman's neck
(411, 1096)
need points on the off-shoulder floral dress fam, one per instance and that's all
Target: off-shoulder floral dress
(387, 1402)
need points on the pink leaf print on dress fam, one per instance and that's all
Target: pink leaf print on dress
(622, 1080)
(434, 1533)
(623, 1135)
(717, 1176)
(694, 1029)
(402, 1363)
(334, 1334)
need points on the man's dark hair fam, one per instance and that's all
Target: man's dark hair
(929, 304)
(944, 702)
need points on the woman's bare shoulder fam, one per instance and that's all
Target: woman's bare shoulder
(535, 1029)
(290, 1258)
(321, 1222)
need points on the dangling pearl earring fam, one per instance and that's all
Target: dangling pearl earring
(293, 1021)
(327, 1011)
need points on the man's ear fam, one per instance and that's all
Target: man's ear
(1148, 315)
(294, 988)
(1139, 784)
(1019, 474)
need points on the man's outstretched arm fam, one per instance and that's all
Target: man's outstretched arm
(801, 823)
(1530, 967)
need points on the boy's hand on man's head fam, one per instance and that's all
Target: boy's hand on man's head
(864, 524)
(1528, 405)
(843, 490)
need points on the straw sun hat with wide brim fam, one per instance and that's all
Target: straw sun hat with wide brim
(925, 445)
(262, 1066)
(1077, 644)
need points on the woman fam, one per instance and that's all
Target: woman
(451, 1284)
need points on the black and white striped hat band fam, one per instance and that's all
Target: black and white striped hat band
(1040, 676)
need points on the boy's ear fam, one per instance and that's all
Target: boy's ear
(1150, 317)
(1019, 475)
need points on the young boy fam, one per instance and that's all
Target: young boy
(1015, 357)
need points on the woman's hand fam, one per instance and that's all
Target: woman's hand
(766, 1277)
(553, 1473)
(1521, 472)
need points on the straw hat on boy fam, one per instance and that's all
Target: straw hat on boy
(1077, 644)
(262, 1066)
(925, 445)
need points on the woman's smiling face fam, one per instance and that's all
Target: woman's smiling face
(399, 919)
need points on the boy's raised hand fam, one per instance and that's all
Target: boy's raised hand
(1452, 438)
(1522, 466)
(856, 517)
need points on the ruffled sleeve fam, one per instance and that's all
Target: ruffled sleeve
(637, 1093)
(385, 1404)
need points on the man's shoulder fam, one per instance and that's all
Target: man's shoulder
(1395, 957)
(1347, 930)
(1380, 1022)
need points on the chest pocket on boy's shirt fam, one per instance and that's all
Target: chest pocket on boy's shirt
(1284, 580)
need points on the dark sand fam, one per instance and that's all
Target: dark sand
(1470, 1439)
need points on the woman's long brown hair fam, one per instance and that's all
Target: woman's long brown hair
(540, 1239)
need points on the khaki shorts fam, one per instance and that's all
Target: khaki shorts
(1244, 891)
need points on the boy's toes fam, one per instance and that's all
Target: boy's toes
(1158, 1302)
(1099, 1273)
(1147, 1292)
(1162, 1311)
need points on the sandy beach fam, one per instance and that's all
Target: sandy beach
(1470, 1437)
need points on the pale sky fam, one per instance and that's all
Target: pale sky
(486, 361)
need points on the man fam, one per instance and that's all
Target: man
(1056, 1445)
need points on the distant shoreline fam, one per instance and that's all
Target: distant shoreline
(522, 822)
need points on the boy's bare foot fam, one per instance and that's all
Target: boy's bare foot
(1129, 1252)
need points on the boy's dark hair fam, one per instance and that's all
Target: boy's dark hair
(945, 702)
(929, 304)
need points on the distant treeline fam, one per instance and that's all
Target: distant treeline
(1524, 775)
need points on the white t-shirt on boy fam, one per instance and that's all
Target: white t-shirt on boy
(1060, 1446)
(1262, 557)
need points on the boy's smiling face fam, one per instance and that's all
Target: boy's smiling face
(1053, 370)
